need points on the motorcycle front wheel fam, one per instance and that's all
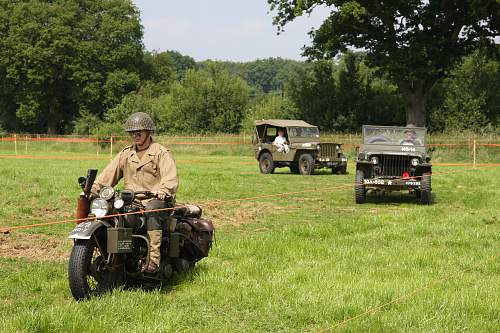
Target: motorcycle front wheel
(87, 273)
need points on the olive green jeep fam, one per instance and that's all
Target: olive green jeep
(303, 152)
(393, 159)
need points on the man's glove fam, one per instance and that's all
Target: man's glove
(161, 195)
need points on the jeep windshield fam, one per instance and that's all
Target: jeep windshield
(402, 136)
(304, 132)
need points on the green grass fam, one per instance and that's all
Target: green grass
(298, 263)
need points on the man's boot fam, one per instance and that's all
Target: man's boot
(154, 250)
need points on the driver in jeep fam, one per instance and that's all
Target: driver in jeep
(280, 142)
(145, 165)
(410, 138)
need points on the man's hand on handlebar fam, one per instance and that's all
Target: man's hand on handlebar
(160, 195)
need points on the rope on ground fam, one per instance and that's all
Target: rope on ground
(406, 296)
(6, 230)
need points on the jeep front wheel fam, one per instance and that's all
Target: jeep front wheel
(266, 163)
(341, 170)
(425, 189)
(359, 187)
(306, 164)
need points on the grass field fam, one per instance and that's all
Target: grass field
(297, 263)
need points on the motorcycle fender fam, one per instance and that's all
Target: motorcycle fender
(200, 224)
(85, 230)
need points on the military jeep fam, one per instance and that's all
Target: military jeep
(393, 159)
(305, 152)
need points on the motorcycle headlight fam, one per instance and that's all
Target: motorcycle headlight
(118, 203)
(318, 147)
(415, 161)
(99, 207)
(374, 160)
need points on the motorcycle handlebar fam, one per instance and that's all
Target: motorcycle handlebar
(146, 193)
(141, 195)
(149, 195)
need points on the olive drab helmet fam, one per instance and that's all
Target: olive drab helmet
(139, 121)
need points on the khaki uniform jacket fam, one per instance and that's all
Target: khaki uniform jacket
(155, 172)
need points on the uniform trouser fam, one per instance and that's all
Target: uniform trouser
(154, 219)
(154, 226)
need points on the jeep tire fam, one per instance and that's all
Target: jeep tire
(359, 187)
(294, 168)
(425, 189)
(306, 164)
(266, 163)
(341, 170)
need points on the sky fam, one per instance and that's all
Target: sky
(235, 30)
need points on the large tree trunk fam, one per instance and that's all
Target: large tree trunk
(51, 126)
(53, 117)
(415, 94)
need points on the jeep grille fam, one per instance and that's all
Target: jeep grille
(328, 150)
(394, 165)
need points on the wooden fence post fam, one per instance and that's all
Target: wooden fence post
(474, 155)
(15, 143)
(111, 147)
(26, 145)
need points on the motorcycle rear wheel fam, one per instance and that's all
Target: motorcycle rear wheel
(86, 272)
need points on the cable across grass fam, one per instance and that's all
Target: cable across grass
(300, 263)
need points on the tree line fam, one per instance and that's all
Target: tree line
(80, 66)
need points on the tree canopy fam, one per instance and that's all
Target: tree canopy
(80, 66)
(414, 41)
(64, 57)
(266, 75)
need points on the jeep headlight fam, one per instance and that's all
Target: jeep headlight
(99, 207)
(374, 160)
(415, 161)
(318, 147)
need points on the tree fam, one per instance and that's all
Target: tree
(470, 98)
(351, 93)
(163, 68)
(414, 41)
(314, 92)
(271, 106)
(266, 75)
(158, 70)
(344, 95)
(181, 63)
(64, 57)
(210, 100)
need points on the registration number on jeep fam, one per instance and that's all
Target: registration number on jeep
(412, 149)
(374, 181)
(412, 183)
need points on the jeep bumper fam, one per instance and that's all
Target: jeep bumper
(332, 162)
(397, 183)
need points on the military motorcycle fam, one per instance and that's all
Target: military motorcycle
(111, 246)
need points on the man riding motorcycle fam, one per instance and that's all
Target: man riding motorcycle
(145, 166)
